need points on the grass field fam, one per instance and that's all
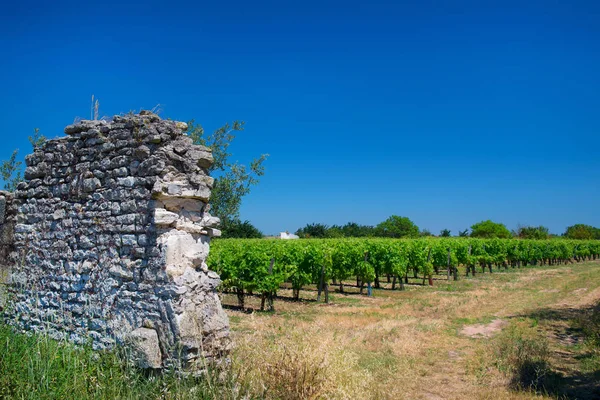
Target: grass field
(518, 334)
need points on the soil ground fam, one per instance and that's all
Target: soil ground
(424, 342)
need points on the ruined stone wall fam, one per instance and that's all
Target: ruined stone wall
(111, 240)
(8, 213)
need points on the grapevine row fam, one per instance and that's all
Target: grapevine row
(262, 266)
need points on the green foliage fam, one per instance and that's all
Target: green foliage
(388, 256)
(397, 227)
(489, 229)
(425, 233)
(315, 230)
(10, 171)
(445, 233)
(532, 232)
(464, 233)
(440, 250)
(350, 230)
(233, 180)
(581, 231)
(348, 258)
(240, 230)
(37, 139)
(243, 263)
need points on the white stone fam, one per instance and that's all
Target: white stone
(191, 215)
(164, 217)
(188, 226)
(210, 221)
(120, 272)
(145, 341)
(177, 205)
(181, 125)
(181, 251)
(59, 214)
(212, 232)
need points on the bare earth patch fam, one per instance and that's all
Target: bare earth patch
(483, 330)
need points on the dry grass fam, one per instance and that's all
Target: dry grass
(289, 366)
(404, 345)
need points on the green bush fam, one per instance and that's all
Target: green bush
(488, 229)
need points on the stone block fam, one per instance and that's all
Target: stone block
(147, 348)
(2, 209)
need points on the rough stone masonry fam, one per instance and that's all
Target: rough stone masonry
(111, 235)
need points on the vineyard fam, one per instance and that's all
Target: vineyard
(258, 266)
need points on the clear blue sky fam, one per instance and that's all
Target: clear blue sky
(448, 112)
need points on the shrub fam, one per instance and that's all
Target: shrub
(488, 229)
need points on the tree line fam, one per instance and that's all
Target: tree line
(402, 227)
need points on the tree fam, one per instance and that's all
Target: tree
(425, 233)
(582, 231)
(445, 233)
(397, 227)
(532, 232)
(233, 180)
(315, 230)
(240, 230)
(352, 229)
(464, 233)
(10, 170)
(489, 229)
(335, 231)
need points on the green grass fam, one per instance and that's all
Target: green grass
(345, 299)
(381, 362)
(589, 323)
(308, 314)
(37, 367)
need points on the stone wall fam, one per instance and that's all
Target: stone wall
(7, 225)
(111, 240)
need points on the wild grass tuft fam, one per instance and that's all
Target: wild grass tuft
(291, 367)
(523, 353)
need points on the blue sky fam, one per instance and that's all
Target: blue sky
(448, 112)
